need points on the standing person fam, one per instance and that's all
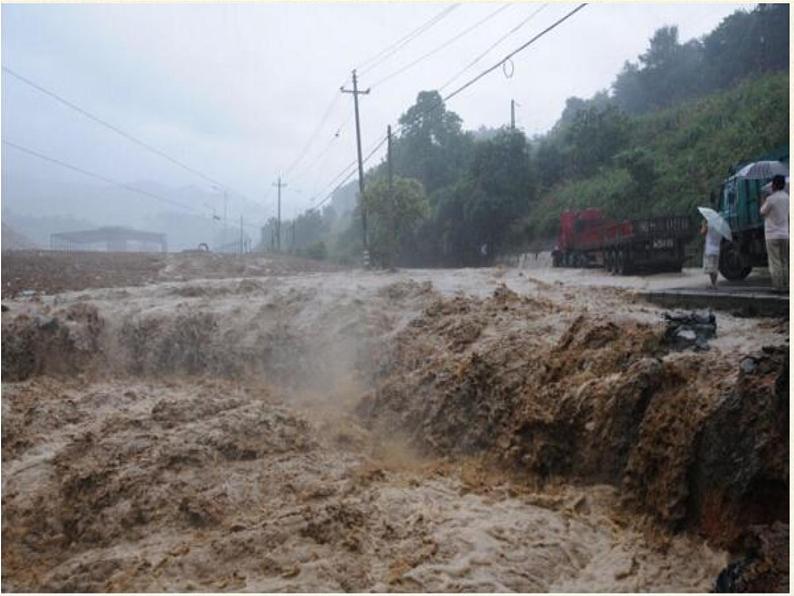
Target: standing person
(711, 252)
(774, 210)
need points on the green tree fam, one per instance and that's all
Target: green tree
(393, 216)
(432, 146)
(594, 137)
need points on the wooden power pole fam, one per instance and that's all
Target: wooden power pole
(356, 93)
(512, 114)
(388, 157)
(280, 185)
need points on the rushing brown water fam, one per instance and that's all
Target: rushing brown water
(203, 435)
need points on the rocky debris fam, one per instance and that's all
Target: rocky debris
(687, 330)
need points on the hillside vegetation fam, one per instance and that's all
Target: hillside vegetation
(675, 158)
(658, 140)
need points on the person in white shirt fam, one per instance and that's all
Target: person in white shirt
(711, 252)
(774, 210)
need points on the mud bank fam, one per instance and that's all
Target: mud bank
(697, 440)
(378, 432)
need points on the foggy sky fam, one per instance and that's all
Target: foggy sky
(236, 90)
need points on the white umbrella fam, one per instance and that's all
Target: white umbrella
(761, 170)
(716, 221)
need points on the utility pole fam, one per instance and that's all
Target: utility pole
(293, 235)
(388, 157)
(512, 114)
(241, 235)
(225, 213)
(356, 93)
(278, 225)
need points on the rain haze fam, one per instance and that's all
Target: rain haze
(245, 93)
(533, 339)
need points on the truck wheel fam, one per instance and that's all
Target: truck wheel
(733, 265)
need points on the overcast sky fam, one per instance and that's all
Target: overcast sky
(236, 91)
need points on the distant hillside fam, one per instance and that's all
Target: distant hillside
(12, 240)
(675, 157)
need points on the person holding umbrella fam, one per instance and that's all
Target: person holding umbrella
(774, 210)
(711, 252)
(714, 228)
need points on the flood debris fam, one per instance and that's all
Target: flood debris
(690, 330)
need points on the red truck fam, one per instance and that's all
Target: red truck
(652, 245)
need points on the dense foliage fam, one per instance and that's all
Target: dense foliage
(658, 141)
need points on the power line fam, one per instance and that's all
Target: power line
(350, 174)
(389, 51)
(522, 47)
(442, 46)
(492, 46)
(314, 134)
(105, 179)
(454, 93)
(116, 129)
(318, 159)
(97, 176)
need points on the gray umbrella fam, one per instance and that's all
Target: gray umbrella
(762, 170)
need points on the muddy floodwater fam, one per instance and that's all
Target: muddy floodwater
(214, 426)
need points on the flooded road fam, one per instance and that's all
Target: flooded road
(207, 434)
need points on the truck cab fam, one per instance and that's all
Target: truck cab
(739, 201)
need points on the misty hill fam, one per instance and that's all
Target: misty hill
(670, 160)
(39, 207)
(13, 240)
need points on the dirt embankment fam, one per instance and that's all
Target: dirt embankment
(51, 272)
(698, 441)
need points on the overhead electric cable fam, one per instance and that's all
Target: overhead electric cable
(314, 134)
(105, 179)
(460, 89)
(116, 129)
(522, 47)
(389, 51)
(442, 46)
(491, 47)
(97, 176)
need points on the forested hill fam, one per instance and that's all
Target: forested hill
(670, 160)
(658, 140)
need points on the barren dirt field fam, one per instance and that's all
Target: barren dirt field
(199, 422)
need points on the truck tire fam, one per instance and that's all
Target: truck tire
(733, 264)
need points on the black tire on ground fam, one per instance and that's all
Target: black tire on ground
(733, 264)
